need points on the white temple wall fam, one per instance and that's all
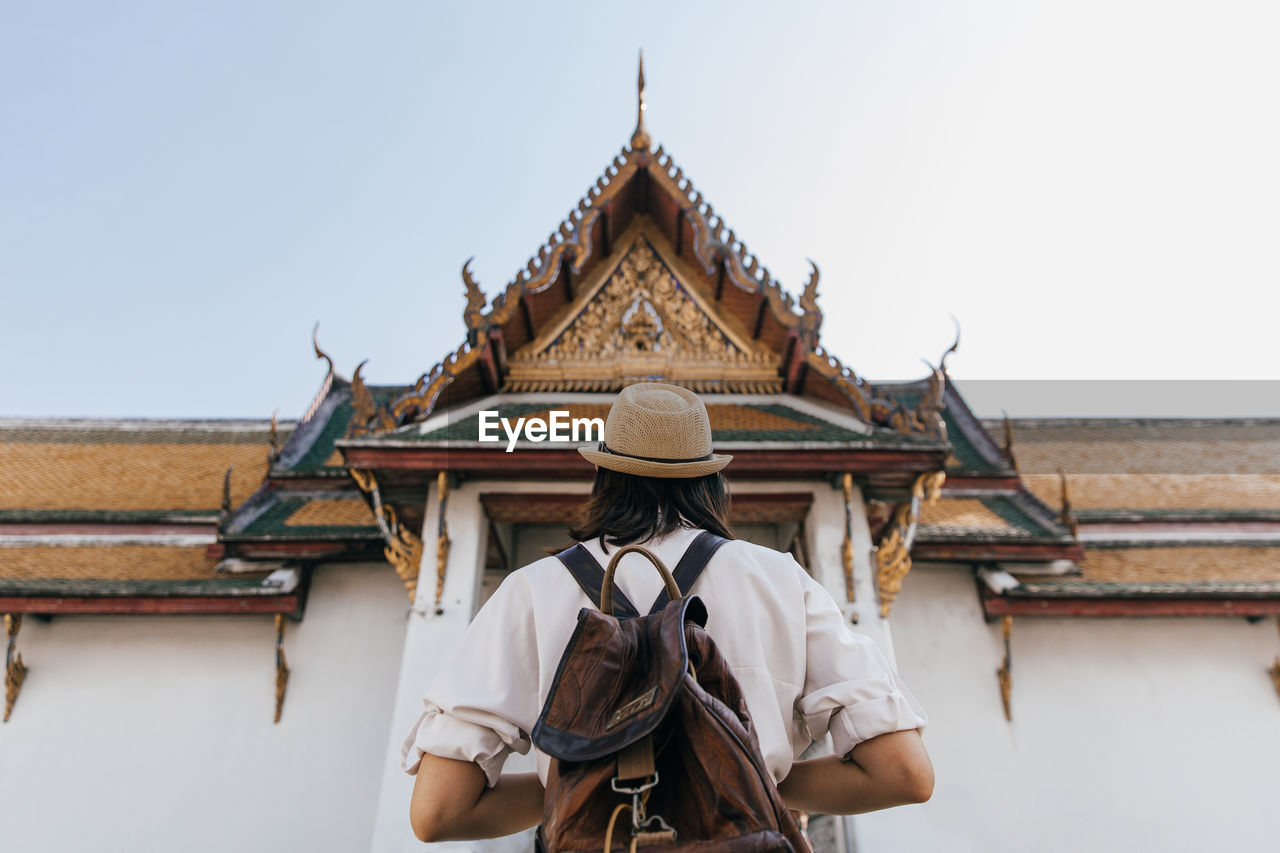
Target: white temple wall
(1127, 733)
(155, 732)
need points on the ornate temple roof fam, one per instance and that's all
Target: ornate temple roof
(1176, 516)
(1154, 468)
(141, 470)
(120, 515)
(644, 280)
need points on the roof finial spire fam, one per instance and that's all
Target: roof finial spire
(640, 140)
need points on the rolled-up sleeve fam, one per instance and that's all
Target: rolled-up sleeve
(850, 689)
(482, 703)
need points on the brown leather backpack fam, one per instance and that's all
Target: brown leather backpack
(652, 745)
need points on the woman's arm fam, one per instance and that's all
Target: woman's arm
(452, 803)
(888, 770)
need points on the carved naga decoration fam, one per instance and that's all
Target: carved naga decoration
(893, 554)
(929, 410)
(402, 547)
(812, 320)
(366, 415)
(473, 314)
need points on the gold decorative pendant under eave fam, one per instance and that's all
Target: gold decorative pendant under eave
(893, 553)
(641, 322)
(15, 671)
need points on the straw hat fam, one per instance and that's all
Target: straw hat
(656, 430)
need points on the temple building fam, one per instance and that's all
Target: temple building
(219, 632)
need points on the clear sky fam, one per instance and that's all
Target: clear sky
(1091, 188)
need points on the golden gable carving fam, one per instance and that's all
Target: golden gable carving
(642, 323)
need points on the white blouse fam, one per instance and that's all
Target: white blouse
(803, 671)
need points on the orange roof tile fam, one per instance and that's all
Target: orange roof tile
(1176, 565)
(961, 514)
(1159, 491)
(106, 562)
(1133, 456)
(322, 513)
(107, 468)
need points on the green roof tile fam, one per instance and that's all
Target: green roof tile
(249, 584)
(809, 427)
(272, 523)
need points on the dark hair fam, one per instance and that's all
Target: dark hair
(624, 508)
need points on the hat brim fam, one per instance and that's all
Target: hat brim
(645, 468)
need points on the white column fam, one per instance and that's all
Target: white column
(825, 531)
(825, 528)
(428, 640)
(827, 535)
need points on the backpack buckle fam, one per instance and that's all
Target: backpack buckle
(663, 832)
(635, 792)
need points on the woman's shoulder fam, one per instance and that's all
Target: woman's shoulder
(737, 555)
(531, 573)
(777, 564)
(547, 573)
(747, 549)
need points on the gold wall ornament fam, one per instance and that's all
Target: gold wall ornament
(401, 546)
(893, 554)
(404, 551)
(846, 550)
(1005, 673)
(282, 666)
(640, 322)
(893, 560)
(15, 671)
(442, 536)
(1275, 667)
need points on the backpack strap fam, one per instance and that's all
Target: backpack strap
(587, 572)
(690, 567)
(590, 576)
